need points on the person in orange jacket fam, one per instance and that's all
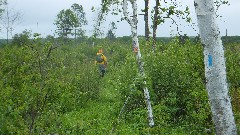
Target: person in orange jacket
(101, 61)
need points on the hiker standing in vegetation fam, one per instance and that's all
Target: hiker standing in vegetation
(101, 61)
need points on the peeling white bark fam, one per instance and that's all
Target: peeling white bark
(215, 69)
(135, 46)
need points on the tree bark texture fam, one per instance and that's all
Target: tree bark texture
(146, 20)
(215, 69)
(135, 46)
(155, 24)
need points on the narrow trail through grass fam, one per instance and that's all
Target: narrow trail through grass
(99, 116)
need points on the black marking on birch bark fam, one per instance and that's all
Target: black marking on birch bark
(195, 4)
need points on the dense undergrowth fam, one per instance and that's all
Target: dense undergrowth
(47, 88)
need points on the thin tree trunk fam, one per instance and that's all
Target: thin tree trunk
(7, 25)
(215, 69)
(155, 24)
(135, 46)
(146, 20)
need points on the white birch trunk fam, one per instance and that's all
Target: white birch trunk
(215, 69)
(135, 46)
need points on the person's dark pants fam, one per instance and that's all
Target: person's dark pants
(102, 69)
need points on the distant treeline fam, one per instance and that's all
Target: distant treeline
(128, 40)
(225, 39)
(231, 39)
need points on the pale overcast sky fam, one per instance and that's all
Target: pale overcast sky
(39, 16)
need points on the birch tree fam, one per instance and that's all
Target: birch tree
(132, 20)
(215, 69)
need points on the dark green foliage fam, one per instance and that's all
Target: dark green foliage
(22, 38)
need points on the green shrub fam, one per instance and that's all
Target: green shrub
(40, 82)
(179, 95)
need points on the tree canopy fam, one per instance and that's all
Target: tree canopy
(71, 21)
